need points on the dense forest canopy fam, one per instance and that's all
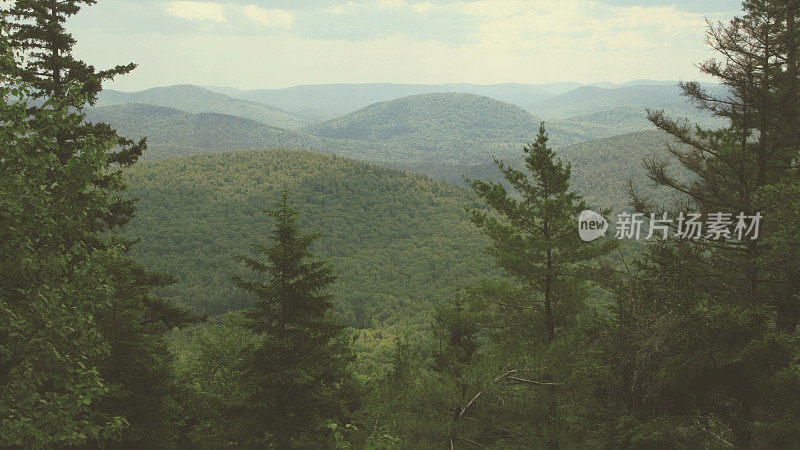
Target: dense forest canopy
(376, 226)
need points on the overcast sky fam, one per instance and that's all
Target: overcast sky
(253, 44)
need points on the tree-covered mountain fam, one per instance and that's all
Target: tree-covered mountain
(376, 225)
(436, 128)
(594, 99)
(600, 168)
(172, 133)
(626, 119)
(337, 99)
(449, 127)
(428, 120)
(195, 99)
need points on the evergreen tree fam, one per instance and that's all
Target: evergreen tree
(528, 327)
(706, 328)
(53, 282)
(135, 364)
(301, 366)
(534, 234)
(759, 66)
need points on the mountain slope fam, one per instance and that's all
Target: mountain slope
(340, 99)
(432, 118)
(195, 99)
(629, 119)
(592, 99)
(175, 133)
(171, 133)
(448, 127)
(600, 168)
(195, 214)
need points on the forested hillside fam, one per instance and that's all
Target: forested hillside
(629, 119)
(600, 169)
(376, 226)
(172, 133)
(436, 128)
(594, 99)
(194, 99)
(448, 126)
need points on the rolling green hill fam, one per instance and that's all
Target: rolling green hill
(195, 99)
(593, 99)
(428, 120)
(176, 133)
(340, 99)
(399, 242)
(629, 119)
(172, 133)
(447, 127)
(600, 168)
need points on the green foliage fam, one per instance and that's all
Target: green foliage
(54, 278)
(211, 372)
(376, 227)
(533, 232)
(706, 331)
(82, 336)
(301, 366)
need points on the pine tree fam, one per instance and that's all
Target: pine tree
(730, 376)
(534, 235)
(301, 366)
(759, 68)
(529, 326)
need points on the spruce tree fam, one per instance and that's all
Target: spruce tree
(301, 365)
(528, 325)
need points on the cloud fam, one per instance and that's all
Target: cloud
(422, 6)
(387, 4)
(204, 11)
(278, 18)
(582, 24)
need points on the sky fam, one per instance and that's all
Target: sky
(259, 44)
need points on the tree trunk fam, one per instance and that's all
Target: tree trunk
(548, 307)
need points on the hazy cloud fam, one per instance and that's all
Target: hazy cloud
(196, 11)
(425, 41)
(279, 18)
(391, 4)
(422, 6)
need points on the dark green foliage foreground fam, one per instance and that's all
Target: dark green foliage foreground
(300, 369)
(82, 355)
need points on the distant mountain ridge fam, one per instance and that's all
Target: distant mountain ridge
(593, 99)
(337, 99)
(195, 99)
(174, 133)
